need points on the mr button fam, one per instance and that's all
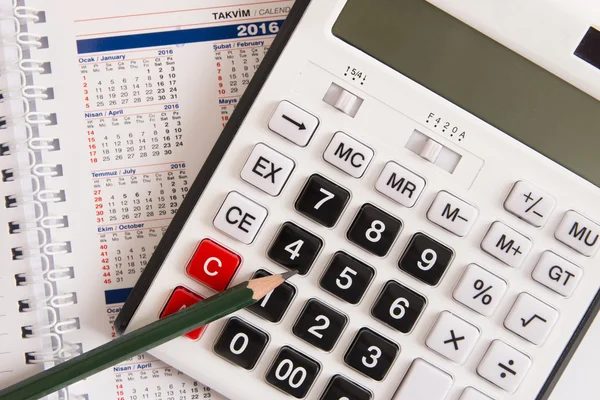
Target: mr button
(579, 233)
(505, 244)
(348, 154)
(240, 217)
(267, 169)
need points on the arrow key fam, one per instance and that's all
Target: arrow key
(531, 319)
(293, 123)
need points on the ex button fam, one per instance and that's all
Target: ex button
(267, 169)
(452, 214)
(240, 218)
(579, 233)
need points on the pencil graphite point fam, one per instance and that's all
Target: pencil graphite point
(288, 274)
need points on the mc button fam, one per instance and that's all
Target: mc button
(348, 154)
(240, 218)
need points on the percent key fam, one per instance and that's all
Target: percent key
(480, 290)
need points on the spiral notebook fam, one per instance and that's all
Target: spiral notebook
(108, 110)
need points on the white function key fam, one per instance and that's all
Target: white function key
(452, 213)
(480, 290)
(400, 184)
(530, 203)
(267, 169)
(293, 123)
(240, 217)
(505, 244)
(348, 154)
(473, 394)
(531, 319)
(424, 381)
(557, 274)
(452, 337)
(579, 233)
(504, 366)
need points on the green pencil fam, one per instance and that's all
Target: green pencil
(143, 339)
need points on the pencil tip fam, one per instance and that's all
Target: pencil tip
(288, 275)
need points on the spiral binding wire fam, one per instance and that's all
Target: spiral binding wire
(20, 139)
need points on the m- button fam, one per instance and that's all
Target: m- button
(505, 244)
(579, 233)
(240, 218)
(452, 213)
(213, 265)
(267, 169)
(348, 154)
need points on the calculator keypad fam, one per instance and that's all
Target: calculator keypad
(320, 325)
(273, 306)
(293, 372)
(295, 248)
(374, 230)
(371, 354)
(557, 274)
(322, 200)
(473, 394)
(426, 259)
(267, 169)
(452, 337)
(400, 184)
(398, 306)
(506, 244)
(579, 233)
(453, 214)
(340, 388)
(480, 290)
(348, 154)
(241, 343)
(504, 366)
(293, 123)
(530, 203)
(424, 381)
(347, 278)
(531, 319)
(240, 217)
(213, 265)
(180, 299)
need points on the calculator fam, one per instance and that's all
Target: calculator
(432, 174)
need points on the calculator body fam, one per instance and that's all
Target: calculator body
(451, 260)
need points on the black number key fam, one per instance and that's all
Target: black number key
(398, 306)
(426, 259)
(374, 230)
(273, 306)
(241, 343)
(340, 388)
(295, 248)
(322, 200)
(293, 372)
(320, 325)
(347, 278)
(371, 354)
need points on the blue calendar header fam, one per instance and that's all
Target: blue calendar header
(153, 39)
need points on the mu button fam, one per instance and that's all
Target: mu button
(213, 265)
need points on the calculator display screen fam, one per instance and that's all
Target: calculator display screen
(479, 75)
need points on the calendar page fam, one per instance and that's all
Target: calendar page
(142, 91)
